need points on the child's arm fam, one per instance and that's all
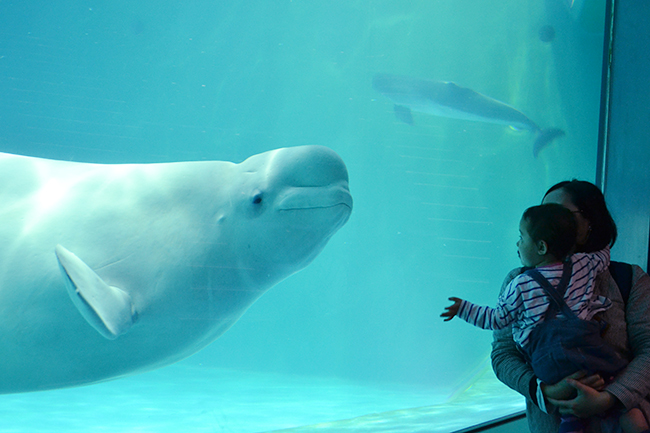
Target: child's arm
(503, 315)
(600, 259)
(483, 317)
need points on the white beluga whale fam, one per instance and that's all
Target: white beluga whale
(446, 99)
(111, 270)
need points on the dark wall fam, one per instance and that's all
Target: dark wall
(627, 185)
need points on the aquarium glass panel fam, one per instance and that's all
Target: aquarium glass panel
(451, 116)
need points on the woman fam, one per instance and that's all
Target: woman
(629, 332)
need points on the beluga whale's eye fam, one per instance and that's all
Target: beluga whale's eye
(254, 204)
(257, 198)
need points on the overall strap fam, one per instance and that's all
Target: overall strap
(556, 294)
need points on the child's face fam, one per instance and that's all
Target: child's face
(528, 250)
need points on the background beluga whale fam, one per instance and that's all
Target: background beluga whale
(447, 99)
(110, 270)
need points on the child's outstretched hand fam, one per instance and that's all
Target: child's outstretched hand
(452, 310)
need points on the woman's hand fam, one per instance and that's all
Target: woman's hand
(588, 402)
(564, 391)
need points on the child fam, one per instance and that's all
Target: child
(547, 235)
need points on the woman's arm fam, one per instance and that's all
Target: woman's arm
(510, 366)
(633, 385)
(508, 363)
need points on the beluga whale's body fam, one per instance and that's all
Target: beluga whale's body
(110, 270)
(446, 99)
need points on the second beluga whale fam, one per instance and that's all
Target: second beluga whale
(447, 99)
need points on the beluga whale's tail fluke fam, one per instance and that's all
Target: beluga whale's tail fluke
(544, 137)
(446, 99)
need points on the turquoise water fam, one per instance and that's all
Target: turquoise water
(184, 398)
(437, 204)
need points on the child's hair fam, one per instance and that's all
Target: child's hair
(555, 225)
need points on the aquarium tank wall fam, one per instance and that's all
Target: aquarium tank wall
(451, 116)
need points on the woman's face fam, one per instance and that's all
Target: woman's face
(560, 196)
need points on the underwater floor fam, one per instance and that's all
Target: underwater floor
(194, 399)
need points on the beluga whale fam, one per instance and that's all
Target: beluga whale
(447, 99)
(112, 270)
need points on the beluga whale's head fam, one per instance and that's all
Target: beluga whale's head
(286, 206)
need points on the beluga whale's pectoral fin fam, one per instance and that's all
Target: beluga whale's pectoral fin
(106, 308)
(404, 114)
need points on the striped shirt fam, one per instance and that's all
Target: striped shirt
(523, 303)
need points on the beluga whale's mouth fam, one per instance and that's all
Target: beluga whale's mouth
(302, 198)
(317, 184)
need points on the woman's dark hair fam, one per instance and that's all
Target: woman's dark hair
(591, 203)
(553, 224)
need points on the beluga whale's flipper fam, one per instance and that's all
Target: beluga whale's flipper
(106, 308)
(447, 99)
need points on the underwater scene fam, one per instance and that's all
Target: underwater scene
(248, 215)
